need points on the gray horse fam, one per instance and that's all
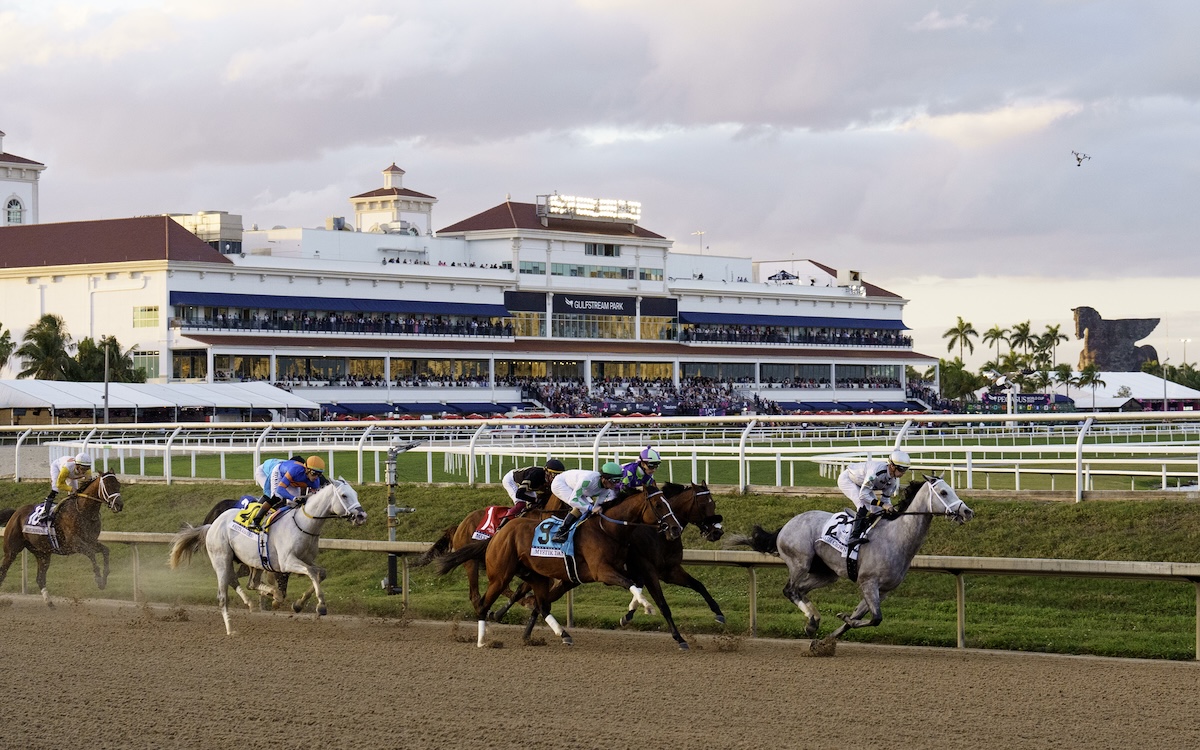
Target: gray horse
(883, 561)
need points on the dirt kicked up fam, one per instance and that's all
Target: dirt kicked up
(98, 674)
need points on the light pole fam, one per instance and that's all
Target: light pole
(1164, 377)
(1185, 343)
(701, 233)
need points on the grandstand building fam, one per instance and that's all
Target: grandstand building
(384, 314)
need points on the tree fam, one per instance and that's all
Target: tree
(1020, 336)
(45, 351)
(1089, 377)
(1054, 336)
(1064, 376)
(993, 336)
(960, 335)
(90, 359)
(6, 346)
(958, 382)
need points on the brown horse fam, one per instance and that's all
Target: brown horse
(76, 522)
(600, 550)
(457, 537)
(652, 555)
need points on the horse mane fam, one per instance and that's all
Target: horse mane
(910, 493)
(671, 489)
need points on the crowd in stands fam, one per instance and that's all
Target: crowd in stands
(379, 323)
(793, 335)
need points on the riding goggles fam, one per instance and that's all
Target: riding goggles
(652, 464)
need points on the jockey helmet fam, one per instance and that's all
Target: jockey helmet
(554, 466)
(650, 456)
(83, 459)
(611, 470)
(899, 459)
(315, 463)
(536, 476)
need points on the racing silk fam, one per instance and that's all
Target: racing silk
(67, 476)
(581, 489)
(285, 478)
(518, 482)
(860, 482)
(633, 478)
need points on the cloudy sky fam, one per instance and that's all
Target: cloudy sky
(927, 144)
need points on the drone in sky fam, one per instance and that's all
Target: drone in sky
(1079, 158)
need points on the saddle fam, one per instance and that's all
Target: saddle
(543, 545)
(242, 517)
(491, 522)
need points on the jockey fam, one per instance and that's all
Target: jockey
(860, 482)
(285, 480)
(67, 473)
(584, 491)
(529, 487)
(639, 473)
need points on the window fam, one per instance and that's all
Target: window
(145, 317)
(601, 249)
(590, 272)
(533, 267)
(13, 211)
(147, 362)
(650, 274)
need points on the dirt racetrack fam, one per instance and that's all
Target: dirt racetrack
(100, 674)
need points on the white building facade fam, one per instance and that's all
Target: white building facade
(18, 188)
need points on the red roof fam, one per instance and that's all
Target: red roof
(107, 241)
(510, 215)
(872, 290)
(393, 192)
(14, 159)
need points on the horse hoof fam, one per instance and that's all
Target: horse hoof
(297, 608)
(566, 640)
(721, 619)
(683, 646)
(321, 611)
(628, 618)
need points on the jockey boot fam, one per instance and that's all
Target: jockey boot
(517, 509)
(47, 504)
(256, 520)
(560, 536)
(861, 520)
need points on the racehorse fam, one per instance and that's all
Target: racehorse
(276, 583)
(599, 555)
(882, 564)
(77, 524)
(292, 546)
(456, 537)
(651, 554)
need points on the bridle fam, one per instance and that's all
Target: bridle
(303, 508)
(949, 510)
(107, 496)
(660, 518)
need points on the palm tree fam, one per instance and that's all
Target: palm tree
(995, 335)
(1089, 377)
(1064, 376)
(45, 351)
(957, 382)
(960, 335)
(6, 346)
(1054, 336)
(90, 359)
(1020, 336)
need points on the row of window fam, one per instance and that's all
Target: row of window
(583, 271)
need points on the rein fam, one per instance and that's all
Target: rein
(106, 497)
(303, 508)
(661, 520)
(949, 510)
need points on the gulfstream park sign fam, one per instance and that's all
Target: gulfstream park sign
(577, 303)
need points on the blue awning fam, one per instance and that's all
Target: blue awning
(335, 304)
(335, 408)
(821, 406)
(795, 321)
(859, 405)
(478, 407)
(421, 408)
(896, 405)
(371, 408)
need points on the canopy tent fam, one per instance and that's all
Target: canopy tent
(413, 408)
(480, 407)
(62, 395)
(782, 276)
(792, 321)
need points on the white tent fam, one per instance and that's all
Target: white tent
(62, 395)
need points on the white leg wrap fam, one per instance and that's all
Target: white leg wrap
(554, 625)
(482, 628)
(637, 595)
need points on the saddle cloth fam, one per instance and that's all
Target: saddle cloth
(543, 546)
(491, 519)
(837, 533)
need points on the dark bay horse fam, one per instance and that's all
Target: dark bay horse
(652, 554)
(76, 521)
(457, 537)
(600, 550)
(882, 562)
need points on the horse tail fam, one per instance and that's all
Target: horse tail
(440, 547)
(760, 540)
(474, 550)
(187, 541)
(5, 514)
